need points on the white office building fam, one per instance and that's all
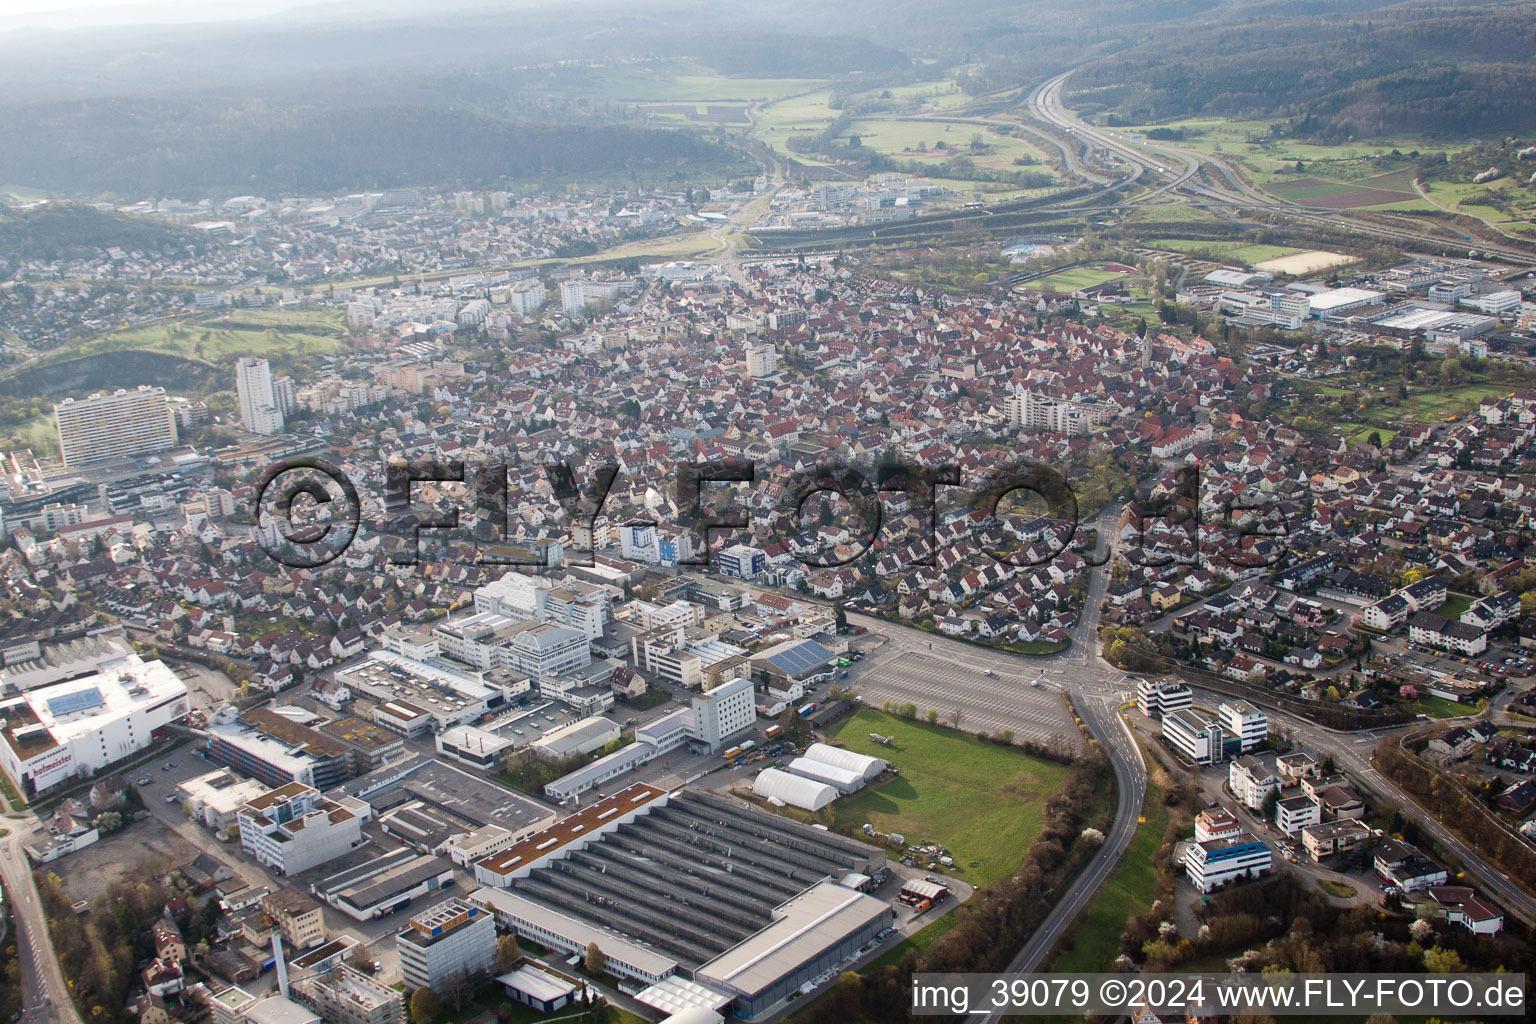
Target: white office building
(1193, 735)
(638, 542)
(1218, 862)
(259, 412)
(456, 938)
(516, 596)
(1156, 699)
(1246, 722)
(293, 828)
(723, 712)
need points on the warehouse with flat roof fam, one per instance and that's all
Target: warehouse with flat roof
(811, 934)
(385, 884)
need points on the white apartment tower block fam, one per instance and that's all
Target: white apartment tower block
(259, 412)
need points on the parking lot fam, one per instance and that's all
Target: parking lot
(987, 699)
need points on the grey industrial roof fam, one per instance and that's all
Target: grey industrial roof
(811, 922)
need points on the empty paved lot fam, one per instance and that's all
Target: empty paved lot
(990, 703)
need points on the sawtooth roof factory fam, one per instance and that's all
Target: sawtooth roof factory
(749, 905)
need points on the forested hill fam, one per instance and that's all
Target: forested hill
(138, 148)
(1341, 71)
(62, 230)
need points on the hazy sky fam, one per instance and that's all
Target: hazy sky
(85, 13)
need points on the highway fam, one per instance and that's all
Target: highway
(1045, 103)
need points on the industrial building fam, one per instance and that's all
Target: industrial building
(385, 884)
(71, 729)
(474, 747)
(293, 828)
(811, 934)
(725, 711)
(417, 697)
(344, 995)
(425, 802)
(651, 741)
(580, 737)
(215, 799)
(695, 882)
(273, 762)
(321, 757)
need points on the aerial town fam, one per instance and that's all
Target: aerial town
(927, 528)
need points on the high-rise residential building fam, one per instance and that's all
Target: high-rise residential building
(454, 939)
(762, 360)
(258, 401)
(723, 712)
(286, 393)
(114, 426)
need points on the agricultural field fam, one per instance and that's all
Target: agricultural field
(1068, 281)
(918, 140)
(1494, 202)
(981, 801)
(1390, 189)
(1270, 160)
(665, 81)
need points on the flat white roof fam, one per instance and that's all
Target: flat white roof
(117, 689)
(1339, 297)
(264, 747)
(677, 993)
(536, 983)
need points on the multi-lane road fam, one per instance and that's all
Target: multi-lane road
(1352, 753)
(1181, 169)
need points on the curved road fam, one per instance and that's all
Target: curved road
(1095, 688)
(1045, 103)
(44, 994)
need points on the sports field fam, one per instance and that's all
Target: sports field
(1069, 281)
(981, 801)
(1298, 263)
